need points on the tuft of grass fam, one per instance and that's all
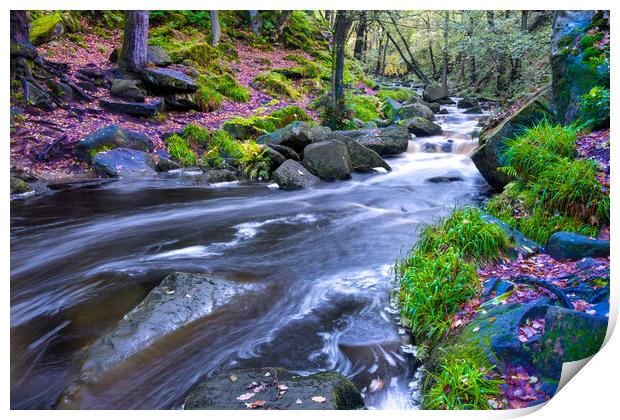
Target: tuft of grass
(289, 114)
(276, 85)
(439, 274)
(180, 150)
(222, 145)
(251, 127)
(195, 134)
(228, 86)
(465, 380)
(543, 157)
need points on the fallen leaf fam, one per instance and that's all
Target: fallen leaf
(298, 402)
(256, 404)
(318, 398)
(233, 378)
(476, 329)
(246, 396)
(259, 388)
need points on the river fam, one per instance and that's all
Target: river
(83, 257)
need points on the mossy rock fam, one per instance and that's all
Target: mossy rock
(19, 186)
(488, 156)
(220, 392)
(46, 28)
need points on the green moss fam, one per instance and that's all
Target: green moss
(251, 127)
(289, 114)
(222, 145)
(44, 28)
(591, 52)
(180, 150)
(399, 94)
(588, 40)
(364, 107)
(228, 86)
(103, 148)
(196, 134)
(276, 85)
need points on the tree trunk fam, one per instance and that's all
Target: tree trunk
(20, 31)
(255, 22)
(444, 69)
(283, 21)
(412, 63)
(216, 31)
(328, 16)
(379, 51)
(360, 36)
(135, 38)
(341, 28)
(517, 69)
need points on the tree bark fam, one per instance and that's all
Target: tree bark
(20, 31)
(216, 30)
(255, 22)
(360, 36)
(135, 38)
(413, 63)
(283, 21)
(444, 69)
(379, 51)
(341, 28)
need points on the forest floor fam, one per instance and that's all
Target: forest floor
(37, 129)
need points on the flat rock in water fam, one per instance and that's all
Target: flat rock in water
(573, 246)
(274, 388)
(167, 80)
(124, 163)
(136, 109)
(389, 141)
(180, 299)
(421, 127)
(291, 175)
(110, 137)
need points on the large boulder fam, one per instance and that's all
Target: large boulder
(169, 81)
(157, 56)
(46, 28)
(285, 151)
(571, 75)
(488, 155)
(275, 389)
(467, 103)
(110, 137)
(416, 109)
(329, 160)
(296, 135)
(180, 299)
(274, 156)
(389, 141)
(136, 109)
(291, 175)
(434, 92)
(421, 127)
(573, 246)
(363, 159)
(126, 89)
(124, 163)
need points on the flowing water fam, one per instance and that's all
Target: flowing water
(320, 259)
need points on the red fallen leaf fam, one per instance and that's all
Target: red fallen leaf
(447, 389)
(522, 338)
(256, 404)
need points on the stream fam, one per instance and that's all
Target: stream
(82, 258)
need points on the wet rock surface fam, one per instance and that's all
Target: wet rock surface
(275, 388)
(329, 160)
(124, 163)
(573, 246)
(291, 175)
(111, 137)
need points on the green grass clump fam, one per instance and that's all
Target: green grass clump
(464, 380)
(400, 94)
(521, 207)
(542, 156)
(180, 150)
(595, 106)
(439, 274)
(212, 90)
(196, 134)
(228, 86)
(222, 145)
(365, 107)
(288, 115)
(276, 85)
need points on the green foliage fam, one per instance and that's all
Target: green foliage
(222, 145)
(180, 150)
(364, 107)
(251, 127)
(465, 381)
(399, 94)
(588, 40)
(439, 274)
(253, 160)
(595, 106)
(543, 157)
(289, 114)
(276, 85)
(207, 96)
(195, 134)
(228, 86)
